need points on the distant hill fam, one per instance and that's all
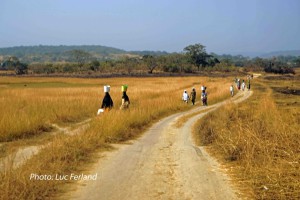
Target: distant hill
(153, 53)
(281, 53)
(245, 54)
(266, 55)
(45, 49)
(47, 53)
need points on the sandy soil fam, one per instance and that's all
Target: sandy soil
(163, 164)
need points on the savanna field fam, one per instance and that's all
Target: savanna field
(30, 107)
(257, 140)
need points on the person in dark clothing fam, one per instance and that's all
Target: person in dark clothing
(193, 96)
(107, 102)
(248, 83)
(125, 101)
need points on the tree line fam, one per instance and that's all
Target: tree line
(194, 58)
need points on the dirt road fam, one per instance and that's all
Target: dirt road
(163, 164)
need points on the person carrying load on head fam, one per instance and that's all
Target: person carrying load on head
(125, 98)
(203, 88)
(185, 97)
(204, 98)
(193, 96)
(107, 102)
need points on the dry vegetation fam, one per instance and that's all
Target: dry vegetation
(183, 119)
(259, 139)
(31, 105)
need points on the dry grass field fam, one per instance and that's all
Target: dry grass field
(258, 140)
(30, 107)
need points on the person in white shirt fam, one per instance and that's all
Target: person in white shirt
(185, 96)
(231, 90)
(243, 85)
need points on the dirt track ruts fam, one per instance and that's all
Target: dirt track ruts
(18, 158)
(162, 164)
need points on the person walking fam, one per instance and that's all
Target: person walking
(204, 98)
(231, 90)
(185, 97)
(248, 83)
(107, 102)
(243, 85)
(193, 96)
(238, 84)
(125, 98)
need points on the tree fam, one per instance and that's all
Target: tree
(13, 63)
(151, 63)
(213, 61)
(130, 63)
(10, 63)
(227, 61)
(81, 57)
(174, 62)
(260, 63)
(95, 65)
(278, 67)
(21, 68)
(197, 55)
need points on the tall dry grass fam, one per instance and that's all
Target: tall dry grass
(30, 111)
(151, 99)
(30, 105)
(260, 142)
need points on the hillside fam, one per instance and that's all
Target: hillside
(281, 53)
(47, 53)
(21, 51)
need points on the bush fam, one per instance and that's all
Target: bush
(280, 70)
(171, 68)
(21, 68)
(188, 69)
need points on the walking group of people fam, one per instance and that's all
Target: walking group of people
(192, 96)
(240, 85)
(107, 102)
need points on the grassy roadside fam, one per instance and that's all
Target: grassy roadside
(29, 106)
(258, 140)
(152, 99)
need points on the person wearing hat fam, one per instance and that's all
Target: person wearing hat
(193, 96)
(125, 98)
(107, 102)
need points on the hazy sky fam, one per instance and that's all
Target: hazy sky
(223, 26)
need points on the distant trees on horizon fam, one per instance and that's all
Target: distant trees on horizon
(193, 58)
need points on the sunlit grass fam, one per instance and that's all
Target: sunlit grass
(30, 105)
(258, 139)
(151, 99)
